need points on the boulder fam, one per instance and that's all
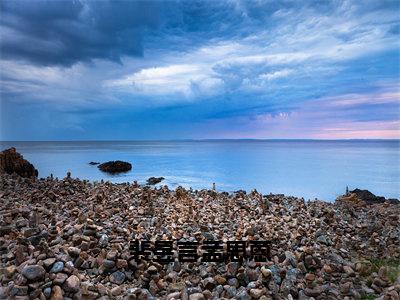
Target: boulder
(94, 163)
(13, 162)
(116, 166)
(154, 180)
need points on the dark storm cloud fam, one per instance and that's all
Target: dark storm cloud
(66, 32)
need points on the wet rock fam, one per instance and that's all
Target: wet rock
(116, 166)
(93, 163)
(154, 180)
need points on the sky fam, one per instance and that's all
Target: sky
(155, 70)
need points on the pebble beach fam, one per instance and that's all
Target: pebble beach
(69, 239)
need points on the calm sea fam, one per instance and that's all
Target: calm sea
(309, 169)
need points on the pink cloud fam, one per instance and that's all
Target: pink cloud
(324, 118)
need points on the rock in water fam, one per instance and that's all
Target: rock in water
(13, 162)
(116, 166)
(154, 180)
(94, 163)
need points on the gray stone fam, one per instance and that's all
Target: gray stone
(103, 241)
(242, 294)
(72, 284)
(48, 262)
(197, 296)
(34, 272)
(117, 277)
(315, 292)
(231, 291)
(152, 270)
(47, 292)
(74, 251)
(232, 268)
(209, 236)
(60, 278)
(108, 264)
(209, 283)
(275, 274)
(175, 295)
(233, 282)
(57, 267)
(322, 239)
(18, 290)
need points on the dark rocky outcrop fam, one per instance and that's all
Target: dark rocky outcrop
(368, 197)
(154, 180)
(13, 162)
(93, 163)
(116, 166)
(364, 197)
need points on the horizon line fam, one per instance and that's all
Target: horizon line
(201, 140)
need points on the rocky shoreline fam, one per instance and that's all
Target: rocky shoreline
(69, 239)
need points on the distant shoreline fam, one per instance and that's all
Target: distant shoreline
(205, 140)
(304, 168)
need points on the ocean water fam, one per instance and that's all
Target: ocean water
(303, 168)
